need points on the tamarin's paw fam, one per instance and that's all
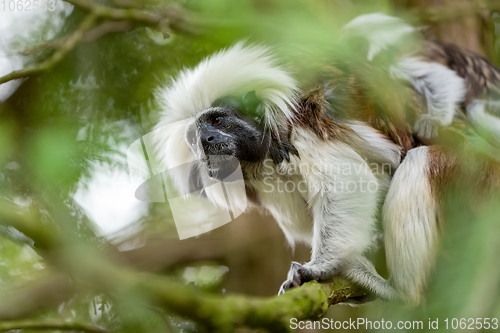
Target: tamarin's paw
(299, 274)
(296, 276)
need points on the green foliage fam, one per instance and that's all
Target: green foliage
(59, 125)
(18, 262)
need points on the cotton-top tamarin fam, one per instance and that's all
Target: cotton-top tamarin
(324, 158)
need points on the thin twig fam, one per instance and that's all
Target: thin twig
(91, 35)
(106, 28)
(118, 14)
(170, 17)
(72, 41)
(115, 19)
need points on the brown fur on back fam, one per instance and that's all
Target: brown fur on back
(481, 76)
(364, 94)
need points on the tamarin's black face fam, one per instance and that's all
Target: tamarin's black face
(229, 129)
(221, 133)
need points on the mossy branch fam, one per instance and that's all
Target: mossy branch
(221, 313)
(225, 313)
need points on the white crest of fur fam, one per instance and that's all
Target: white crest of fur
(231, 72)
(379, 29)
(410, 225)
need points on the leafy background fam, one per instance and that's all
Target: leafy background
(64, 135)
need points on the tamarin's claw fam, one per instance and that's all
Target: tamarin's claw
(297, 275)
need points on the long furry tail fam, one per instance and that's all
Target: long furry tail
(410, 225)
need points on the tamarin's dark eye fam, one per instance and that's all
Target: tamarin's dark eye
(218, 120)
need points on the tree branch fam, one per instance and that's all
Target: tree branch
(117, 13)
(70, 43)
(165, 19)
(89, 36)
(225, 313)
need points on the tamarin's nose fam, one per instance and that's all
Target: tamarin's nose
(211, 138)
